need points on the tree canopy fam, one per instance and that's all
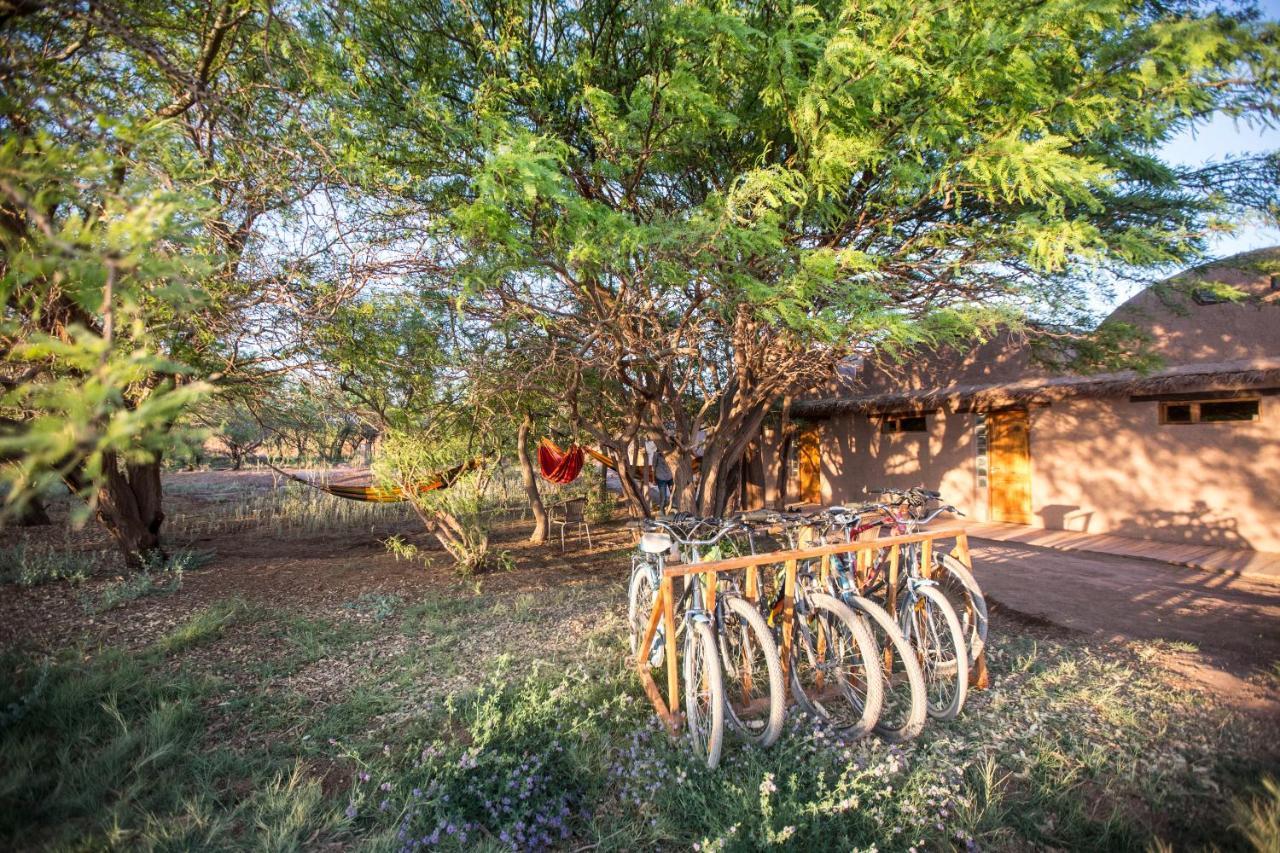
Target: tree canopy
(703, 206)
(651, 221)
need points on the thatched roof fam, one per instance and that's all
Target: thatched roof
(1211, 377)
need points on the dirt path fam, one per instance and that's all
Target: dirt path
(1234, 624)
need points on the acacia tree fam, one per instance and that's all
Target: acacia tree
(707, 207)
(151, 152)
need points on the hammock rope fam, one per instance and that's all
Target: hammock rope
(382, 494)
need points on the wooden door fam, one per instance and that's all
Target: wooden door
(809, 459)
(1009, 436)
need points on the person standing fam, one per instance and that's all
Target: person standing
(661, 475)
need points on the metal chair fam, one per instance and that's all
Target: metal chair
(571, 513)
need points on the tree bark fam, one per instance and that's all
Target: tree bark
(783, 442)
(527, 474)
(129, 503)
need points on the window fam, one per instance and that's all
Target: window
(904, 423)
(1208, 411)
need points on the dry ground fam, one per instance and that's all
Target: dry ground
(1119, 695)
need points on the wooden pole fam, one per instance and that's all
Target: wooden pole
(891, 599)
(673, 676)
(788, 618)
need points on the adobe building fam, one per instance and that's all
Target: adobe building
(1188, 453)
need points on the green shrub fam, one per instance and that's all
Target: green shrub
(601, 505)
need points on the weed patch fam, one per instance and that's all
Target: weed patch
(161, 577)
(205, 626)
(27, 564)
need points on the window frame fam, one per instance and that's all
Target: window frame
(1195, 405)
(898, 418)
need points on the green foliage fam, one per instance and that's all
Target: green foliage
(144, 150)
(376, 605)
(1258, 817)
(92, 298)
(205, 626)
(103, 757)
(458, 516)
(402, 549)
(602, 504)
(685, 211)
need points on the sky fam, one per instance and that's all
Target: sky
(1219, 139)
(1224, 137)
(1216, 141)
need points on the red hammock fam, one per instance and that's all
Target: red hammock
(559, 466)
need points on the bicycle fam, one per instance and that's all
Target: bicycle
(923, 613)
(833, 660)
(904, 702)
(953, 577)
(729, 651)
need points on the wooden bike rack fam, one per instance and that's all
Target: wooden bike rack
(864, 551)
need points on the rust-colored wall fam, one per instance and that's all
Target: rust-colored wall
(856, 454)
(1098, 466)
(1109, 466)
(1101, 465)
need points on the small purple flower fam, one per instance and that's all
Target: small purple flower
(352, 812)
(364, 777)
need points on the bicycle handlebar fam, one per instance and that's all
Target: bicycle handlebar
(725, 530)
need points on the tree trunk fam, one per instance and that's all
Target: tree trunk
(783, 443)
(129, 507)
(540, 526)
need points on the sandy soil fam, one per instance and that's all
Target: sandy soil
(1233, 624)
(1217, 632)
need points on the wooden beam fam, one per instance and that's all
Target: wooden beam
(749, 560)
(1205, 396)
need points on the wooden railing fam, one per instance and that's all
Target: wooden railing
(865, 557)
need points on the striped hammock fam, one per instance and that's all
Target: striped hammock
(383, 494)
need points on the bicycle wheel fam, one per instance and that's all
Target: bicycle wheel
(905, 708)
(932, 628)
(641, 595)
(752, 673)
(957, 583)
(703, 692)
(835, 666)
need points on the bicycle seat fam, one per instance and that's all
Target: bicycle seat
(655, 543)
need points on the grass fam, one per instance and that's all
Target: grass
(205, 626)
(29, 564)
(294, 511)
(443, 723)
(159, 578)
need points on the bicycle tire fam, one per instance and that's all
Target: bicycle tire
(959, 585)
(889, 637)
(704, 715)
(841, 624)
(926, 635)
(765, 731)
(641, 593)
